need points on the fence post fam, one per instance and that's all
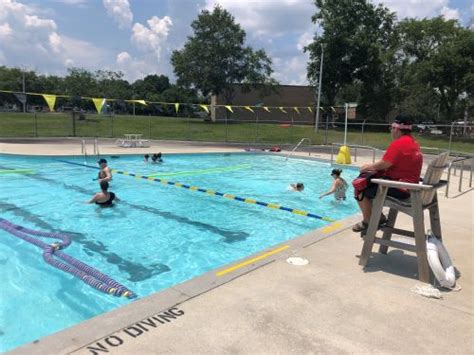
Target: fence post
(149, 126)
(36, 125)
(363, 125)
(112, 126)
(73, 123)
(256, 134)
(450, 137)
(189, 128)
(326, 132)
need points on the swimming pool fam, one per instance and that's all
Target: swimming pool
(157, 236)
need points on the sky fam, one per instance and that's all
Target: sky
(137, 37)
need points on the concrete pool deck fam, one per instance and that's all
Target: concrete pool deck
(269, 306)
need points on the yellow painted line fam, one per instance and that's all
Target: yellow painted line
(332, 227)
(250, 261)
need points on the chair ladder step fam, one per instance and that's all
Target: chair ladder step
(395, 244)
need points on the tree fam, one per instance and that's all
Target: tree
(149, 86)
(359, 40)
(214, 58)
(436, 58)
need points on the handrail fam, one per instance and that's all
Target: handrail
(96, 147)
(296, 147)
(451, 164)
(355, 146)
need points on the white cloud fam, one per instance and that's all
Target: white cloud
(120, 11)
(79, 3)
(420, 8)
(152, 38)
(55, 42)
(123, 58)
(5, 30)
(450, 14)
(35, 41)
(291, 70)
(305, 39)
(36, 22)
(263, 18)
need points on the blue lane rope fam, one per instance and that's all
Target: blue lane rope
(213, 193)
(71, 265)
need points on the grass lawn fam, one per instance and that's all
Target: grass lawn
(61, 125)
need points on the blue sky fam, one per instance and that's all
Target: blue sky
(138, 36)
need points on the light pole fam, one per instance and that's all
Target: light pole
(319, 89)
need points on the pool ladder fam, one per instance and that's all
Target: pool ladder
(84, 148)
(297, 146)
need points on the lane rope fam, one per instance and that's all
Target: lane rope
(213, 193)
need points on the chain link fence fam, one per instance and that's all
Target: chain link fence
(458, 136)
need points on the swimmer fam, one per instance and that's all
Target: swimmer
(339, 186)
(103, 198)
(156, 158)
(104, 174)
(145, 158)
(299, 186)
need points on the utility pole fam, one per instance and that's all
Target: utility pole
(316, 126)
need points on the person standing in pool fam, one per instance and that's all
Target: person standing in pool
(105, 175)
(339, 186)
(104, 198)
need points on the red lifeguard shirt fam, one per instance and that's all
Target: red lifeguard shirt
(406, 158)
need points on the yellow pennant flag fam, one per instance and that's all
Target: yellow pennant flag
(142, 102)
(176, 107)
(205, 108)
(333, 109)
(50, 100)
(296, 109)
(266, 108)
(98, 103)
(229, 108)
(282, 110)
(310, 109)
(249, 108)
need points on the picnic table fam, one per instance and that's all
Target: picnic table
(132, 140)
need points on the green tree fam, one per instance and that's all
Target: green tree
(436, 61)
(215, 58)
(359, 40)
(150, 86)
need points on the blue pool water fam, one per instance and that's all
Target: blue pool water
(155, 237)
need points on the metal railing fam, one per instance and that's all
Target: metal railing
(355, 147)
(454, 163)
(297, 146)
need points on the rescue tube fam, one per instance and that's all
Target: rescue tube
(440, 262)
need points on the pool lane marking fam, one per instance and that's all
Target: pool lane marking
(216, 193)
(332, 227)
(250, 261)
(203, 171)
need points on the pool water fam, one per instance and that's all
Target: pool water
(157, 236)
